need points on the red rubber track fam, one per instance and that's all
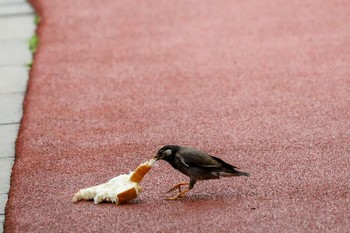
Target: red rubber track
(264, 85)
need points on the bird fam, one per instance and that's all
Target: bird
(195, 164)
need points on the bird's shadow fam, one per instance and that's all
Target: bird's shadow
(199, 197)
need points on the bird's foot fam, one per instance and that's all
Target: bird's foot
(179, 195)
(178, 186)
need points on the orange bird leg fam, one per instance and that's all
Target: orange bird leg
(178, 186)
(179, 195)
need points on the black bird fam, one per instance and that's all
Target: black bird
(196, 164)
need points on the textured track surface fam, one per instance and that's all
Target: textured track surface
(262, 84)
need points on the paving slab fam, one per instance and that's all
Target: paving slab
(11, 107)
(15, 8)
(3, 200)
(8, 135)
(22, 27)
(14, 52)
(2, 219)
(6, 2)
(16, 28)
(13, 79)
(5, 173)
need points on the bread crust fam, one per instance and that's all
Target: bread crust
(140, 172)
(136, 177)
(126, 196)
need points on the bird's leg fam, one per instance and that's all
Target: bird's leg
(178, 186)
(179, 195)
(182, 193)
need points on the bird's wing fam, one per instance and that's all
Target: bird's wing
(193, 158)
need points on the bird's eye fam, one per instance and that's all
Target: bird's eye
(167, 152)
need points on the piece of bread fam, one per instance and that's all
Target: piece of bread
(121, 189)
(136, 177)
(141, 171)
(126, 196)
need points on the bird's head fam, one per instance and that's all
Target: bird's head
(166, 153)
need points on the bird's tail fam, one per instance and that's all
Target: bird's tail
(234, 173)
(239, 173)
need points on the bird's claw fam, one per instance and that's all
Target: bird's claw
(179, 195)
(178, 186)
(172, 198)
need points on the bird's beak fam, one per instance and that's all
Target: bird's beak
(157, 157)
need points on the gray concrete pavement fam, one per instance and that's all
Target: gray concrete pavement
(16, 28)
